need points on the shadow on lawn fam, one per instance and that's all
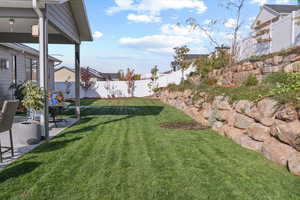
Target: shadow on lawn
(18, 170)
(55, 145)
(118, 110)
(124, 110)
(92, 126)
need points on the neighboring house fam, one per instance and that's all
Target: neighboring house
(275, 28)
(272, 13)
(64, 74)
(18, 64)
(111, 76)
(190, 57)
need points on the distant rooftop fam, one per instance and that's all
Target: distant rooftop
(195, 56)
(282, 9)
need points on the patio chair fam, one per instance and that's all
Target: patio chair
(6, 121)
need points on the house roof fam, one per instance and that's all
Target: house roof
(26, 49)
(80, 15)
(195, 56)
(111, 75)
(282, 9)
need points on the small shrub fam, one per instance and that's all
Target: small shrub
(251, 81)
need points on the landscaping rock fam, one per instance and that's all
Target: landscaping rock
(242, 121)
(242, 139)
(221, 103)
(234, 133)
(294, 163)
(243, 107)
(267, 121)
(207, 111)
(288, 133)
(226, 116)
(288, 68)
(217, 126)
(287, 113)
(267, 107)
(277, 60)
(251, 144)
(276, 151)
(258, 132)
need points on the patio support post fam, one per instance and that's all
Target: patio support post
(43, 63)
(77, 79)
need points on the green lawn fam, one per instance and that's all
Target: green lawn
(121, 153)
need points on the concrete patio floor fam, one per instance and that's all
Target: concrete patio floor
(21, 149)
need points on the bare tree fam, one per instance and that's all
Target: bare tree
(206, 28)
(236, 7)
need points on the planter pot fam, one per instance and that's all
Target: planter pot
(30, 133)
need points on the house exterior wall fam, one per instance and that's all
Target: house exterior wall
(23, 66)
(63, 75)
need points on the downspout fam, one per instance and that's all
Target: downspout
(37, 9)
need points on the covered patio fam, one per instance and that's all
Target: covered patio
(46, 22)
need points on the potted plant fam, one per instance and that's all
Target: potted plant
(33, 102)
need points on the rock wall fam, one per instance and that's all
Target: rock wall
(265, 127)
(238, 73)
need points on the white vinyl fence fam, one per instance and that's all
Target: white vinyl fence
(119, 89)
(283, 34)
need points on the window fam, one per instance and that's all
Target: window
(4, 64)
(34, 70)
(15, 70)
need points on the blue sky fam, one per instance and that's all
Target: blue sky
(141, 33)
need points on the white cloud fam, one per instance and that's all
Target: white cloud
(143, 18)
(230, 23)
(260, 2)
(283, 1)
(123, 3)
(174, 29)
(158, 43)
(154, 7)
(97, 34)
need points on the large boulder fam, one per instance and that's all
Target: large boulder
(288, 133)
(242, 139)
(243, 107)
(276, 151)
(287, 113)
(267, 107)
(226, 116)
(258, 132)
(294, 163)
(207, 111)
(218, 127)
(242, 121)
(221, 103)
(251, 144)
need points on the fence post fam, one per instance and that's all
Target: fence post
(293, 28)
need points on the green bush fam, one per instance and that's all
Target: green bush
(251, 81)
(207, 64)
(283, 82)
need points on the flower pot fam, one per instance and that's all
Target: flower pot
(30, 133)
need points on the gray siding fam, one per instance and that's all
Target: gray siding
(61, 16)
(23, 63)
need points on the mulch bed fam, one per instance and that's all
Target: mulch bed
(194, 126)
